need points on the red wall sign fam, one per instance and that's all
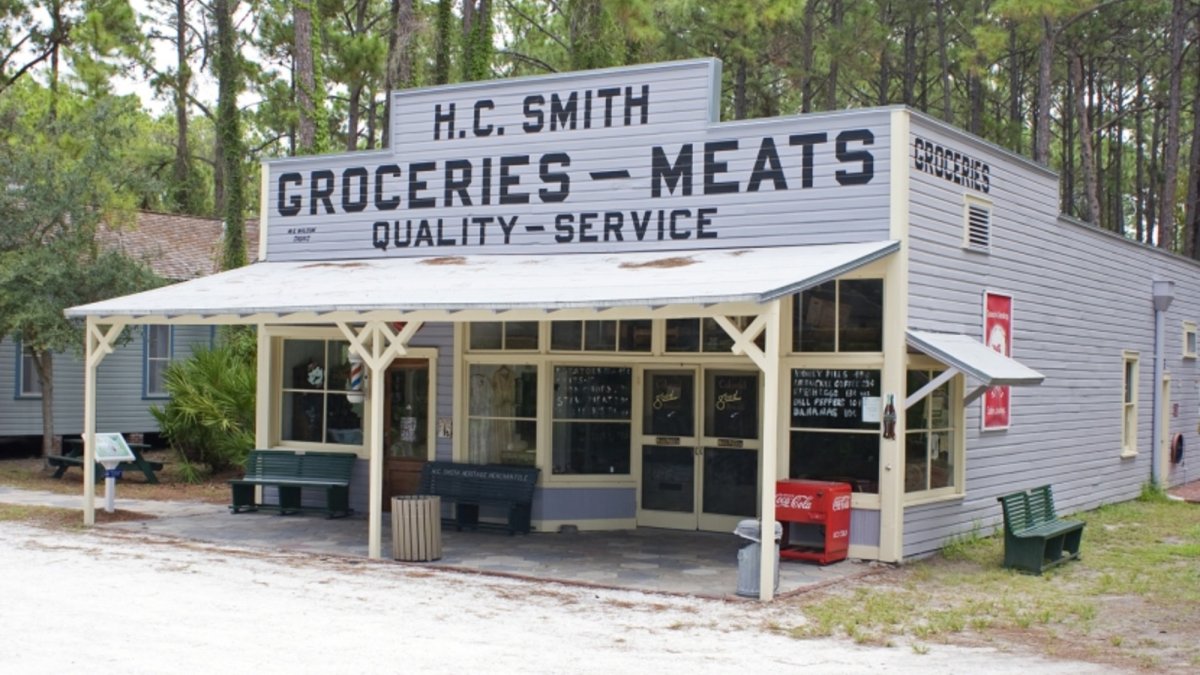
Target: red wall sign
(997, 333)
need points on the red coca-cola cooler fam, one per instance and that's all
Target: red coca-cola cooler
(816, 520)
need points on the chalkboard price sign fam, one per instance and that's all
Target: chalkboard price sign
(592, 393)
(832, 399)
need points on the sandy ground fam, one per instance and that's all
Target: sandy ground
(109, 602)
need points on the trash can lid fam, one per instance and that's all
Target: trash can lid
(751, 529)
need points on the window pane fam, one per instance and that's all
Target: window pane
(521, 335)
(566, 335)
(914, 417)
(916, 449)
(832, 399)
(715, 337)
(30, 384)
(941, 460)
(815, 319)
(156, 377)
(730, 482)
(1130, 375)
(683, 335)
(600, 336)
(844, 457)
(485, 335)
(302, 415)
(501, 441)
(669, 404)
(861, 311)
(635, 335)
(503, 391)
(304, 364)
(591, 447)
(592, 392)
(731, 404)
(343, 424)
(338, 373)
(158, 342)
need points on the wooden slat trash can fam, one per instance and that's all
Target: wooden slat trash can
(417, 528)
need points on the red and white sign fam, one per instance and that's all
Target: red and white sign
(997, 333)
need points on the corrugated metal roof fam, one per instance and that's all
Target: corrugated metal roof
(973, 358)
(500, 282)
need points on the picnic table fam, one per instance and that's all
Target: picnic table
(73, 456)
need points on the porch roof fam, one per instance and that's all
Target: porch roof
(494, 283)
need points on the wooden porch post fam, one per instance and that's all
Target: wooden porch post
(98, 344)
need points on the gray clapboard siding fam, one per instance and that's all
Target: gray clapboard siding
(1080, 297)
(120, 404)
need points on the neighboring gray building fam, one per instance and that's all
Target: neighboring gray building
(590, 273)
(177, 248)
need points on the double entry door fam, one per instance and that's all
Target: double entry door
(699, 447)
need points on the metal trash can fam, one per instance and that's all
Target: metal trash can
(417, 528)
(750, 557)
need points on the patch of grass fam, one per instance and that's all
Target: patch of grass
(48, 516)
(33, 474)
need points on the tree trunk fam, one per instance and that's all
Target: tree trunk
(399, 64)
(944, 60)
(807, 49)
(1041, 145)
(302, 55)
(739, 91)
(1015, 118)
(441, 51)
(183, 161)
(1191, 217)
(1068, 150)
(835, 14)
(1139, 192)
(1152, 177)
(229, 133)
(909, 79)
(1166, 217)
(1091, 212)
(43, 363)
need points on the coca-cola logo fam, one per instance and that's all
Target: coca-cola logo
(841, 534)
(799, 502)
(841, 502)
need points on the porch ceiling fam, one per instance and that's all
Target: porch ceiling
(462, 288)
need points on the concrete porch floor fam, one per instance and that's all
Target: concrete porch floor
(646, 559)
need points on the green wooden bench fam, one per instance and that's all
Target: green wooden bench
(471, 486)
(290, 473)
(1035, 538)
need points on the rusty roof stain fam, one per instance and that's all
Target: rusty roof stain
(660, 263)
(445, 260)
(176, 247)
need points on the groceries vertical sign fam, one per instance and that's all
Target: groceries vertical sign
(611, 160)
(997, 333)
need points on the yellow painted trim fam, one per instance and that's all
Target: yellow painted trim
(895, 348)
(863, 552)
(458, 403)
(1127, 356)
(264, 209)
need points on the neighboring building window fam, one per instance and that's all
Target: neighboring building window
(930, 447)
(1129, 417)
(1189, 340)
(28, 384)
(502, 414)
(839, 316)
(158, 357)
(314, 407)
(592, 419)
(977, 225)
(601, 336)
(503, 336)
(830, 439)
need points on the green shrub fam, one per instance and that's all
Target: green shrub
(209, 420)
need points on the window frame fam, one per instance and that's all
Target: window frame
(1131, 364)
(278, 391)
(795, 315)
(19, 391)
(552, 367)
(147, 358)
(957, 429)
(1189, 339)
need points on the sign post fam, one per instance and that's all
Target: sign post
(111, 450)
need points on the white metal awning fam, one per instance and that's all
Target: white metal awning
(974, 358)
(307, 290)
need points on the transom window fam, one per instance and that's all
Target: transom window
(704, 335)
(601, 336)
(503, 336)
(314, 406)
(843, 315)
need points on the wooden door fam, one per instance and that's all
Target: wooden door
(407, 440)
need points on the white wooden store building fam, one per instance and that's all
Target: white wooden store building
(592, 274)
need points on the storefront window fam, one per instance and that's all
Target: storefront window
(601, 336)
(314, 407)
(929, 451)
(502, 414)
(839, 316)
(835, 426)
(592, 414)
